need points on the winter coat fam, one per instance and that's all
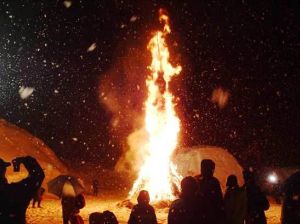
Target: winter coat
(71, 207)
(257, 203)
(210, 200)
(291, 203)
(235, 201)
(142, 214)
(183, 212)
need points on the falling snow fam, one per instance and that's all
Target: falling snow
(55, 55)
(67, 4)
(25, 92)
(92, 47)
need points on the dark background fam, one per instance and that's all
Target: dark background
(249, 48)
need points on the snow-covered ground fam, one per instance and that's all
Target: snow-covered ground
(50, 213)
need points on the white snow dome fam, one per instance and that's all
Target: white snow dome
(188, 162)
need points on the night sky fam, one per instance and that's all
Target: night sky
(65, 49)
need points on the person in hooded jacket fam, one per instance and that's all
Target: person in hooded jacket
(143, 212)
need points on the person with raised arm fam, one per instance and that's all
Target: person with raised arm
(15, 197)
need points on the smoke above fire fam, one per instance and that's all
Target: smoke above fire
(122, 91)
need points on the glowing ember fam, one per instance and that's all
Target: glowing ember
(158, 174)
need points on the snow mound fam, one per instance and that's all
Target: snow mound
(15, 142)
(188, 162)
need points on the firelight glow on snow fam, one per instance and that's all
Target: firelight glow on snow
(158, 174)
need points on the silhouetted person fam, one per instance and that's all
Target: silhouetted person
(291, 203)
(142, 213)
(15, 197)
(95, 186)
(71, 206)
(276, 192)
(209, 195)
(96, 218)
(38, 197)
(184, 209)
(106, 217)
(68, 208)
(257, 202)
(109, 217)
(235, 200)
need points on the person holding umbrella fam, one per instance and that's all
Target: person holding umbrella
(70, 190)
(71, 206)
(15, 197)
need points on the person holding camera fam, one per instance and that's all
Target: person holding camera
(15, 197)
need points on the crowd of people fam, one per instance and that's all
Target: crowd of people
(201, 200)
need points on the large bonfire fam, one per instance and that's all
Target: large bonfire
(158, 174)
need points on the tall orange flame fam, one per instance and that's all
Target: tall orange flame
(158, 173)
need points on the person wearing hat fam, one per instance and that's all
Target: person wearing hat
(15, 197)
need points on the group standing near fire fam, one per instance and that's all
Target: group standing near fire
(200, 202)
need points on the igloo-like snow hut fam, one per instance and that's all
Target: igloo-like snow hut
(188, 162)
